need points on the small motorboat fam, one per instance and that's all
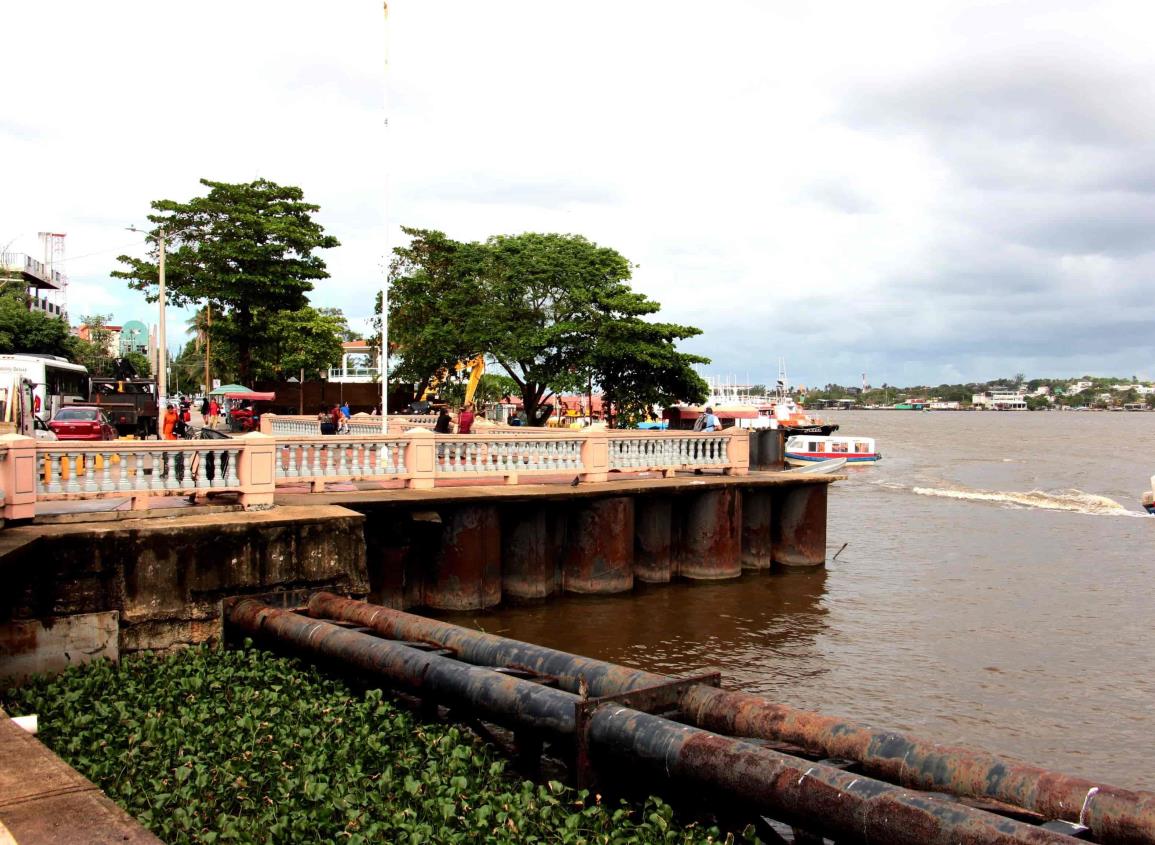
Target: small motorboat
(802, 449)
(1149, 498)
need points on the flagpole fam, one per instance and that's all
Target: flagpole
(384, 356)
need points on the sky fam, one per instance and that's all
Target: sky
(923, 192)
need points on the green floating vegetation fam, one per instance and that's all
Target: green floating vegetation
(211, 745)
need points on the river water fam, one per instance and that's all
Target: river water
(995, 590)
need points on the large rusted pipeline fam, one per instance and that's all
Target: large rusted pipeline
(835, 803)
(1114, 815)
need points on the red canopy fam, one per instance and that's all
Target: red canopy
(253, 397)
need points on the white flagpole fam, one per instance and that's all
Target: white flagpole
(384, 357)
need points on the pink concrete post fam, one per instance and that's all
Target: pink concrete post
(18, 476)
(738, 452)
(421, 458)
(595, 455)
(267, 423)
(256, 470)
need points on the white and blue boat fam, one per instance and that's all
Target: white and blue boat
(803, 449)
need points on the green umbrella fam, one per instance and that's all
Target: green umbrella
(229, 388)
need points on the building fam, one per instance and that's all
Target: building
(43, 285)
(1000, 400)
(357, 364)
(111, 346)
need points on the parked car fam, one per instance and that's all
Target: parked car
(41, 430)
(82, 422)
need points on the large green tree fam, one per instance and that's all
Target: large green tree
(247, 249)
(22, 330)
(555, 312)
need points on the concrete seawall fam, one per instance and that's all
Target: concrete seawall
(82, 590)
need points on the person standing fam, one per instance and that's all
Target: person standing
(325, 421)
(204, 410)
(465, 419)
(214, 413)
(345, 412)
(444, 422)
(170, 418)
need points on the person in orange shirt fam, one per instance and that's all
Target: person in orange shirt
(170, 423)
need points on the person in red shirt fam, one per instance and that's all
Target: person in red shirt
(465, 419)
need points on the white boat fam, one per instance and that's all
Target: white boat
(820, 467)
(803, 449)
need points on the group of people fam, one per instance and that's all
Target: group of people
(211, 411)
(334, 420)
(465, 418)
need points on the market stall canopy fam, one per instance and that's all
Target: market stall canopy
(252, 396)
(225, 389)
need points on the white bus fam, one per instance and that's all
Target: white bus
(53, 382)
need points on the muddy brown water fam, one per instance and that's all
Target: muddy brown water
(996, 590)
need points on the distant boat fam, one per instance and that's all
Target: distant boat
(1149, 498)
(802, 449)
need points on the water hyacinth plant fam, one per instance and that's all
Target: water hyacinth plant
(211, 745)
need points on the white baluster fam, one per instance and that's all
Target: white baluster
(357, 448)
(55, 471)
(90, 485)
(106, 474)
(342, 462)
(231, 477)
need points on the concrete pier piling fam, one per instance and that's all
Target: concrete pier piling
(709, 535)
(652, 536)
(799, 526)
(464, 572)
(599, 554)
(757, 541)
(530, 546)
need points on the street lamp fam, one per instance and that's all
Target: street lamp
(161, 343)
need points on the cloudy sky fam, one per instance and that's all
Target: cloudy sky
(921, 191)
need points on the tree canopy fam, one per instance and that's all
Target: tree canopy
(555, 312)
(22, 330)
(247, 249)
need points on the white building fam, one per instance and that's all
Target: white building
(1079, 387)
(1000, 400)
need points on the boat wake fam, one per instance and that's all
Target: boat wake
(1075, 501)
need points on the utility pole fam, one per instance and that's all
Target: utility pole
(208, 346)
(162, 343)
(385, 224)
(161, 348)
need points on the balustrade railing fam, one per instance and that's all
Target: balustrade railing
(669, 450)
(280, 425)
(124, 468)
(319, 459)
(254, 464)
(505, 455)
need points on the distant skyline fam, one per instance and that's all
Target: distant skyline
(928, 192)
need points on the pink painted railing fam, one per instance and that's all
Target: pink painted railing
(253, 465)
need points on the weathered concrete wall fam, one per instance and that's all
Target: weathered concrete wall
(166, 577)
(533, 545)
(451, 548)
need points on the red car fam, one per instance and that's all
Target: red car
(82, 422)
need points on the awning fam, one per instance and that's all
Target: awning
(252, 396)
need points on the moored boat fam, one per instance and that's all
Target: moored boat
(802, 449)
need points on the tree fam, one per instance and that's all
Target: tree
(92, 350)
(554, 311)
(35, 332)
(247, 249)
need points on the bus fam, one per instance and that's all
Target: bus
(53, 382)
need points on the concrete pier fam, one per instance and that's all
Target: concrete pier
(799, 526)
(599, 554)
(653, 534)
(708, 544)
(158, 581)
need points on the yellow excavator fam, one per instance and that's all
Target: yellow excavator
(476, 368)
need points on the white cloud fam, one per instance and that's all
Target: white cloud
(917, 189)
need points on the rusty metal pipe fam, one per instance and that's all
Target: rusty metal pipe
(832, 802)
(1115, 816)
